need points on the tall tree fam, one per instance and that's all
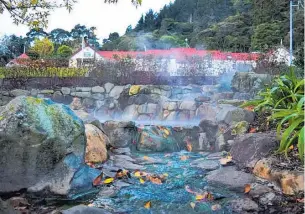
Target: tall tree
(43, 47)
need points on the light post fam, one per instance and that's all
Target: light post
(291, 27)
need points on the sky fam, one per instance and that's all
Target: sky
(107, 18)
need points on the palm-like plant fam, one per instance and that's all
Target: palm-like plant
(285, 102)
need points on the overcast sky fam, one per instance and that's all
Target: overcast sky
(107, 18)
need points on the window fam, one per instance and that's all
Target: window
(87, 54)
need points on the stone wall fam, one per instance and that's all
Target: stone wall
(148, 102)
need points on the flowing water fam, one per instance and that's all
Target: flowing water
(177, 194)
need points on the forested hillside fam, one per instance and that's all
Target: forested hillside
(229, 25)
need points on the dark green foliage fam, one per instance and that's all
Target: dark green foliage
(64, 51)
(284, 101)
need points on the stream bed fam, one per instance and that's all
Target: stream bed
(183, 189)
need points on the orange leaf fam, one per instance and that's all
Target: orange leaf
(184, 157)
(155, 180)
(252, 130)
(249, 108)
(146, 158)
(247, 188)
(189, 147)
(291, 147)
(147, 205)
(97, 180)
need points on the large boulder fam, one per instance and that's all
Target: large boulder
(230, 114)
(96, 151)
(42, 147)
(249, 82)
(156, 139)
(230, 178)
(249, 148)
(120, 133)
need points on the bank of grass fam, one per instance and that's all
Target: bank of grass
(27, 72)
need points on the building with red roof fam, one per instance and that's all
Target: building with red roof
(19, 61)
(215, 61)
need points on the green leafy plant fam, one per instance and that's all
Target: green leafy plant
(284, 100)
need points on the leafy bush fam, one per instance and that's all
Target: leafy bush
(26, 72)
(284, 100)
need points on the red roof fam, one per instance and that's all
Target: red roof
(23, 56)
(182, 53)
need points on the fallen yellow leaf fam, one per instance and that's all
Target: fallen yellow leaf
(193, 205)
(142, 181)
(224, 161)
(291, 147)
(199, 197)
(146, 158)
(108, 180)
(247, 188)
(165, 174)
(166, 131)
(147, 205)
(137, 174)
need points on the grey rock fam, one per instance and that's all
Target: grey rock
(148, 108)
(111, 105)
(97, 89)
(83, 209)
(249, 82)
(229, 114)
(120, 133)
(267, 199)
(206, 111)
(34, 92)
(258, 190)
(88, 103)
(19, 92)
(230, 178)
(116, 92)
(121, 184)
(123, 151)
(6, 208)
(108, 192)
(108, 86)
(47, 91)
(205, 164)
(241, 96)
(210, 128)
(65, 90)
(98, 96)
(83, 89)
(81, 94)
(244, 206)
(251, 147)
(188, 105)
(127, 165)
(122, 158)
(130, 112)
(233, 102)
(171, 106)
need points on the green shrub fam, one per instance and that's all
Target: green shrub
(284, 100)
(26, 72)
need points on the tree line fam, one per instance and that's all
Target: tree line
(228, 25)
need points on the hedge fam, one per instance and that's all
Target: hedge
(21, 72)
